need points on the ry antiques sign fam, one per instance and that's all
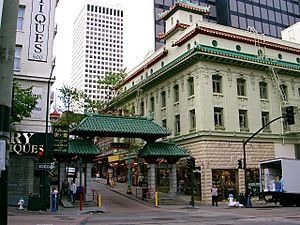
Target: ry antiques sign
(39, 30)
(61, 139)
(27, 143)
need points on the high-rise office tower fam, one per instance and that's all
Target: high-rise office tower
(267, 17)
(97, 47)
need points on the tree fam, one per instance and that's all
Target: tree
(70, 96)
(23, 103)
(112, 79)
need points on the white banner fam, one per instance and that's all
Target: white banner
(39, 30)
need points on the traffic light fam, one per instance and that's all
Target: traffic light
(240, 164)
(190, 163)
(40, 152)
(289, 115)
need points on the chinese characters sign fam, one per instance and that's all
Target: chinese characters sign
(60, 141)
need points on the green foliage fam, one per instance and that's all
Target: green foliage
(112, 79)
(23, 102)
(70, 96)
(69, 119)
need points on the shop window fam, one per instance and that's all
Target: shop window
(226, 182)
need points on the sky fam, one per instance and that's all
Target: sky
(138, 34)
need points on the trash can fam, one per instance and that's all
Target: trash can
(242, 199)
(33, 202)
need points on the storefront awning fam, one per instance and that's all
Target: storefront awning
(162, 150)
(82, 147)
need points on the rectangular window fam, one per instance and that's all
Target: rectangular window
(190, 86)
(283, 92)
(192, 120)
(264, 120)
(163, 99)
(142, 109)
(218, 117)
(216, 83)
(164, 123)
(241, 87)
(17, 58)
(243, 119)
(20, 20)
(152, 104)
(176, 93)
(177, 124)
(263, 90)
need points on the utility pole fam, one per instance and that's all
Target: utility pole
(7, 51)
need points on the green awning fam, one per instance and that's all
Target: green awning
(105, 125)
(82, 147)
(160, 149)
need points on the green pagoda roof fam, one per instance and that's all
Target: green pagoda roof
(160, 149)
(106, 125)
(82, 147)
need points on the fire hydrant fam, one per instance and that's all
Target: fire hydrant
(21, 203)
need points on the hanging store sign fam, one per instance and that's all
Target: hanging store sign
(39, 30)
(27, 143)
(61, 139)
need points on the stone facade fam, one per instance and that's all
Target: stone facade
(224, 155)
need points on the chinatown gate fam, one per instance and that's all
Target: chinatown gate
(106, 125)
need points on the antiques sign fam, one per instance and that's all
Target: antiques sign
(61, 138)
(39, 30)
(26, 143)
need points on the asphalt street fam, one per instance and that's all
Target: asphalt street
(118, 209)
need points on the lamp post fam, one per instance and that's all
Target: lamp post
(45, 189)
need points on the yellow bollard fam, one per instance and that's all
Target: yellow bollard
(156, 199)
(99, 201)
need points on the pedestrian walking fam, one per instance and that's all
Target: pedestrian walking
(54, 195)
(73, 190)
(249, 193)
(214, 195)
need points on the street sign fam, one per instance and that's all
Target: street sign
(45, 166)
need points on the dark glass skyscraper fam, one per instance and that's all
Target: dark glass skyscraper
(269, 17)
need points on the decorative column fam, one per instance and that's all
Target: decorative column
(88, 177)
(62, 174)
(173, 180)
(151, 177)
